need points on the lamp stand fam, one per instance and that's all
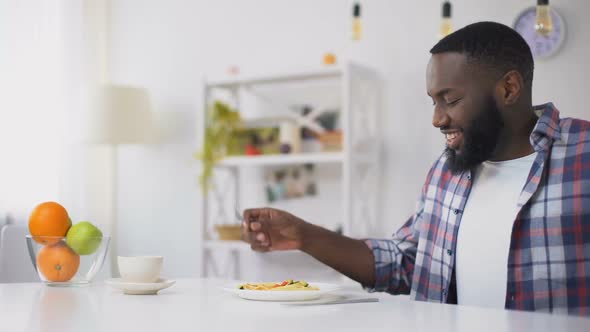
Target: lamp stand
(114, 183)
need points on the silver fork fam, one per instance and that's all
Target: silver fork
(341, 301)
(239, 216)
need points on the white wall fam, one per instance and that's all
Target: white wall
(31, 128)
(168, 47)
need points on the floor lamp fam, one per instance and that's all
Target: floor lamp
(120, 115)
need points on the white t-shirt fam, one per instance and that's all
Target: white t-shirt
(481, 263)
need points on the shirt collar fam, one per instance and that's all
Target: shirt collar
(547, 128)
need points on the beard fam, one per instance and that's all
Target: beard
(480, 139)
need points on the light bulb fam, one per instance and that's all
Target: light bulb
(356, 22)
(544, 22)
(446, 26)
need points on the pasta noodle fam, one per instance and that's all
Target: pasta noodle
(287, 285)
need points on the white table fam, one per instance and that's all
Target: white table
(199, 305)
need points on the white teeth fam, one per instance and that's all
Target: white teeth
(451, 136)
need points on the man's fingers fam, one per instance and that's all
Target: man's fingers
(250, 223)
(259, 247)
(250, 236)
(261, 237)
(256, 237)
(255, 228)
(251, 215)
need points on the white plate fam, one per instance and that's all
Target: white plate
(139, 288)
(267, 295)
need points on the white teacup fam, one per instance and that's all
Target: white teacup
(140, 268)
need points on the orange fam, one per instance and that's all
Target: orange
(49, 219)
(58, 262)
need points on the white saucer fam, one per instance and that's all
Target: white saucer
(139, 288)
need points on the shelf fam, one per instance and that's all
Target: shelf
(283, 159)
(312, 74)
(220, 244)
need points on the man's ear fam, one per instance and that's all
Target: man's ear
(509, 88)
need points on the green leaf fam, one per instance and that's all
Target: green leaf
(221, 138)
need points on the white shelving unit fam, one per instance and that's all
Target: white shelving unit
(308, 74)
(287, 159)
(358, 89)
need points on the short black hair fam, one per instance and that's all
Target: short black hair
(491, 44)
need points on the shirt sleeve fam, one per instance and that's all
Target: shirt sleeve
(395, 257)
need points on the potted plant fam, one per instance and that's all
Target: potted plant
(222, 138)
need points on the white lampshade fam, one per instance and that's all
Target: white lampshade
(119, 115)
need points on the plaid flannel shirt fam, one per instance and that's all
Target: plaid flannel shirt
(549, 257)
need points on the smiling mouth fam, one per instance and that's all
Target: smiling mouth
(454, 139)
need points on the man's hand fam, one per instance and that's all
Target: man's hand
(269, 229)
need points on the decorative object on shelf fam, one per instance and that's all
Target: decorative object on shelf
(233, 70)
(329, 59)
(256, 140)
(329, 120)
(309, 141)
(446, 26)
(309, 176)
(251, 150)
(228, 232)
(356, 21)
(221, 138)
(307, 133)
(331, 141)
(544, 38)
(294, 112)
(290, 137)
(290, 182)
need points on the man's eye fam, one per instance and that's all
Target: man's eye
(453, 102)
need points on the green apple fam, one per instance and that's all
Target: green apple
(84, 238)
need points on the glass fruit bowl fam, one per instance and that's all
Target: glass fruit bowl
(59, 263)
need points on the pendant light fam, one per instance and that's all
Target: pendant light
(544, 22)
(356, 21)
(446, 26)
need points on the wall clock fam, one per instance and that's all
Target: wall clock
(541, 46)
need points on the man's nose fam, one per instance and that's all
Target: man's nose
(440, 118)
